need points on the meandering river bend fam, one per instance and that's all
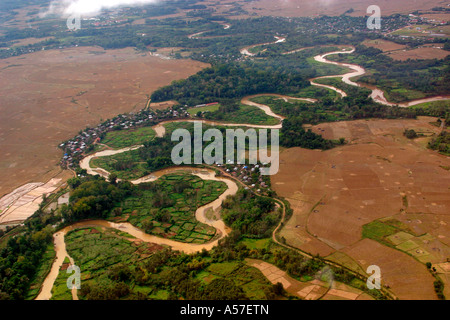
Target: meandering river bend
(206, 174)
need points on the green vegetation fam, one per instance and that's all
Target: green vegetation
(114, 267)
(439, 109)
(21, 258)
(99, 253)
(59, 289)
(156, 154)
(294, 135)
(235, 113)
(439, 288)
(348, 89)
(93, 197)
(397, 235)
(211, 108)
(304, 269)
(250, 215)
(252, 243)
(378, 231)
(325, 69)
(43, 270)
(127, 165)
(166, 207)
(410, 134)
(441, 143)
(232, 80)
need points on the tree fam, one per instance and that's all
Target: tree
(410, 134)
(113, 178)
(278, 289)
(74, 182)
(147, 225)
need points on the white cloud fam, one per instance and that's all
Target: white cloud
(90, 7)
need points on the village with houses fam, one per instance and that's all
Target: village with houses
(84, 143)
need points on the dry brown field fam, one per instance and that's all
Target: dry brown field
(296, 8)
(22, 17)
(48, 96)
(334, 193)
(419, 53)
(383, 45)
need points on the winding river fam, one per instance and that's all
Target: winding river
(222, 229)
(206, 174)
(198, 34)
(246, 51)
(377, 94)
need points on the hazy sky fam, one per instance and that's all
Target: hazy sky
(90, 7)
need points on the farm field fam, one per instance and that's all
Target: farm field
(401, 52)
(63, 91)
(244, 114)
(434, 104)
(88, 162)
(383, 45)
(310, 8)
(308, 290)
(97, 250)
(166, 208)
(366, 180)
(246, 276)
(423, 31)
(194, 111)
(419, 53)
(436, 16)
(126, 138)
(397, 90)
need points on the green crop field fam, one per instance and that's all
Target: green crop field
(378, 231)
(194, 111)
